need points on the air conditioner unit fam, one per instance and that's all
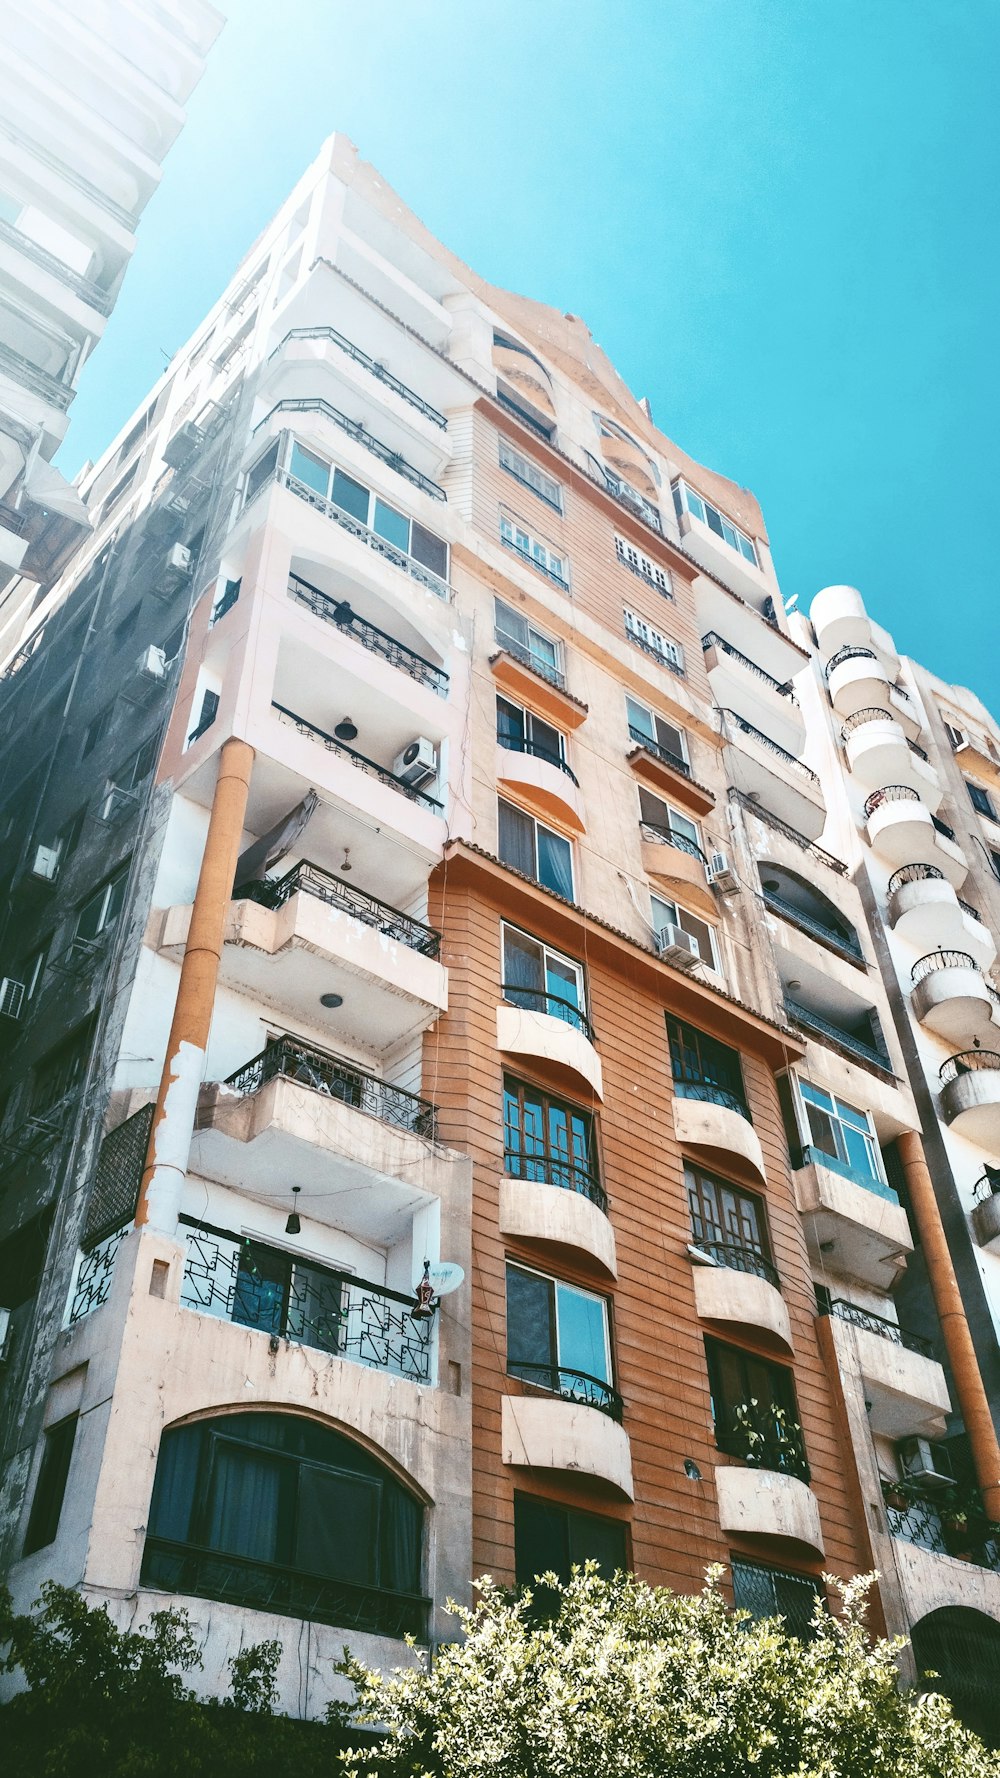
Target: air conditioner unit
(926, 1462)
(178, 562)
(152, 664)
(418, 763)
(11, 997)
(188, 439)
(45, 863)
(677, 946)
(720, 872)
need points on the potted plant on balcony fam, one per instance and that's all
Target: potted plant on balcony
(895, 1495)
(768, 1437)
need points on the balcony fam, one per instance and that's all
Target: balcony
(666, 773)
(714, 1117)
(925, 910)
(55, 273)
(854, 1223)
(770, 775)
(814, 921)
(840, 620)
(380, 546)
(558, 1202)
(306, 353)
(543, 779)
(347, 622)
(533, 1022)
(673, 859)
(738, 683)
(878, 752)
(904, 1384)
(931, 1524)
(575, 1430)
(359, 760)
(857, 680)
(738, 1286)
(862, 1046)
(764, 1503)
(951, 997)
(986, 1209)
(386, 455)
(13, 538)
(970, 1096)
(902, 830)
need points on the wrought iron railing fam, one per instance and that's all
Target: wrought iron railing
(843, 941)
(523, 744)
(712, 640)
(987, 1185)
(370, 365)
(550, 499)
(379, 545)
(711, 1092)
(919, 751)
(14, 521)
(394, 460)
(920, 1521)
(514, 407)
(398, 654)
(633, 502)
(666, 836)
(30, 376)
(788, 759)
(941, 960)
(969, 1062)
(967, 907)
(861, 718)
(551, 1169)
(84, 288)
(308, 879)
(915, 873)
(846, 1040)
(890, 793)
(92, 1283)
(657, 749)
(737, 1257)
(533, 562)
(335, 1078)
(770, 819)
(311, 1305)
(849, 653)
(877, 1324)
(361, 760)
(556, 1005)
(818, 1157)
(764, 1444)
(670, 661)
(578, 1386)
(538, 664)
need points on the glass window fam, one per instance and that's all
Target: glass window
(391, 525)
(534, 549)
(704, 1068)
(97, 729)
(430, 551)
(716, 521)
(309, 469)
(556, 1333)
(643, 565)
(654, 812)
(50, 1488)
(529, 473)
(754, 1409)
(261, 471)
(536, 977)
(980, 800)
(549, 1141)
(639, 630)
(727, 1217)
(552, 1537)
(527, 846)
(767, 1592)
(645, 725)
(520, 638)
(350, 496)
(521, 731)
(841, 1131)
(671, 913)
(101, 910)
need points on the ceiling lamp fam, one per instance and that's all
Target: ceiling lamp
(346, 730)
(293, 1226)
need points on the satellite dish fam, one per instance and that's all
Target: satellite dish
(443, 1277)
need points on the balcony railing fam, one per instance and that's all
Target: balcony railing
(310, 1305)
(335, 1078)
(923, 1523)
(71, 176)
(314, 404)
(555, 1005)
(967, 908)
(849, 653)
(821, 929)
(877, 1324)
(671, 662)
(657, 749)
(666, 836)
(788, 759)
(338, 612)
(712, 640)
(941, 960)
(942, 827)
(30, 376)
(370, 365)
(987, 1185)
(763, 1444)
(84, 288)
(533, 562)
(861, 718)
(380, 545)
(578, 1386)
(363, 763)
(711, 1092)
(522, 744)
(548, 1169)
(92, 1284)
(11, 519)
(633, 502)
(770, 819)
(737, 1257)
(308, 879)
(265, 1586)
(890, 793)
(915, 873)
(869, 1182)
(969, 1062)
(835, 1034)
(537, 663)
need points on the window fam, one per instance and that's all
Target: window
(728, 1222)
(301, 1514)
(529, 473)
(700, 508)
(548, 1141)
(552, 1537)
(663, 818)
(995, 860)
(754, 1409)
(138, 768)
(662, 737)
(100, 911)
(541, 979)
(370, 510)
(558, 1338)
(643, 565)
(50, 1488)
(980, 800)
(121, 488)
(704, 1068)
(767, 1592)
(206, 716)
(520, 638)
(535, 850)
(957, 736)
(97, 729)
(670, 913)
(261, 472)
(533, 550)
(842, 1134)
(60, 1072)
(33, 967)
(521, 731)
(646, 636)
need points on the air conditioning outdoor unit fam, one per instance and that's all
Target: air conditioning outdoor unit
(178, 562)
(926, 1462)
(677, 946)
(152, 664)
(11, 997)
(45, 863)
(720, 872)
(418, 763)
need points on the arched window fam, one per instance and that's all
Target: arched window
(276, 1512)
(962, 1648)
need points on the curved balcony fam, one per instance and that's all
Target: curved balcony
(951, 997)
(526, 373)
(857, 679)
(574, 1436)
(742, 684)
(970, 1095)
(854, 1224)
(840, 620)
(770, 775)
(740, 1288)
(878, 752)
(986, 1209)
(765, 1503)
(673, 859)
(543, 1199)
(905, 1389)
(532, 1022)
(707, 1116)
(925, 910)
(901, 829)
(542, 779)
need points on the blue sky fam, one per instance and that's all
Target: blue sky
(774, 215)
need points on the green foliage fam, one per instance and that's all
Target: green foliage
(629, 1681)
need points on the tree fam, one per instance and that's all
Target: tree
(629, 1681)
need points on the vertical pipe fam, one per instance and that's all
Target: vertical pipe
(177, 1100)
(972, 1398)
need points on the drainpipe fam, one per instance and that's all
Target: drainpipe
(972, 1401)
(177, 1101)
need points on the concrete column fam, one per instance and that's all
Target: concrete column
(183, 1070)
(972, 1399)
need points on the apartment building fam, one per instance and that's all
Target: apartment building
(458, 1119)
(92, 96)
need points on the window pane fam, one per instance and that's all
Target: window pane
(510, 724)
(640, 718)
(545, 739)
(593, 1539)
(541, 1539)
(261, 1289)
(860, 1154)
(681, 824)
(699, 931)
(543, 648)
(350, 496)
(336, 1527)
(714, 521)
(562, 978)
(522, 965)
(508, 622)
(391, 525)
(259, 472)
(582, 1322)
(695, 504)
(310, 469)
(747, 549)
(115, 901)
(50, 1488)
(555, 863)
(431, 551)
(243, 1507)
(530, 1329)
(669, 737)
(516, 841)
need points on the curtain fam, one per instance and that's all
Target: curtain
(336, 1530)
(173, 1491)
(244, 1502)
(530, 1333)
(402, 1526)
(517, 839)
(522, 968)
(555, 863)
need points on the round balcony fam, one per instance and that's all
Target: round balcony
(766, 1503)
(840, 620)
(878, 752)
(740, 1287)
(558, 1203)
(857, 680)
(533, 1022)
(970, 1095)
(707, 1116)
(901, 829)
(925, 910)
(573, 1428)
(951, 997)
(542, 780)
